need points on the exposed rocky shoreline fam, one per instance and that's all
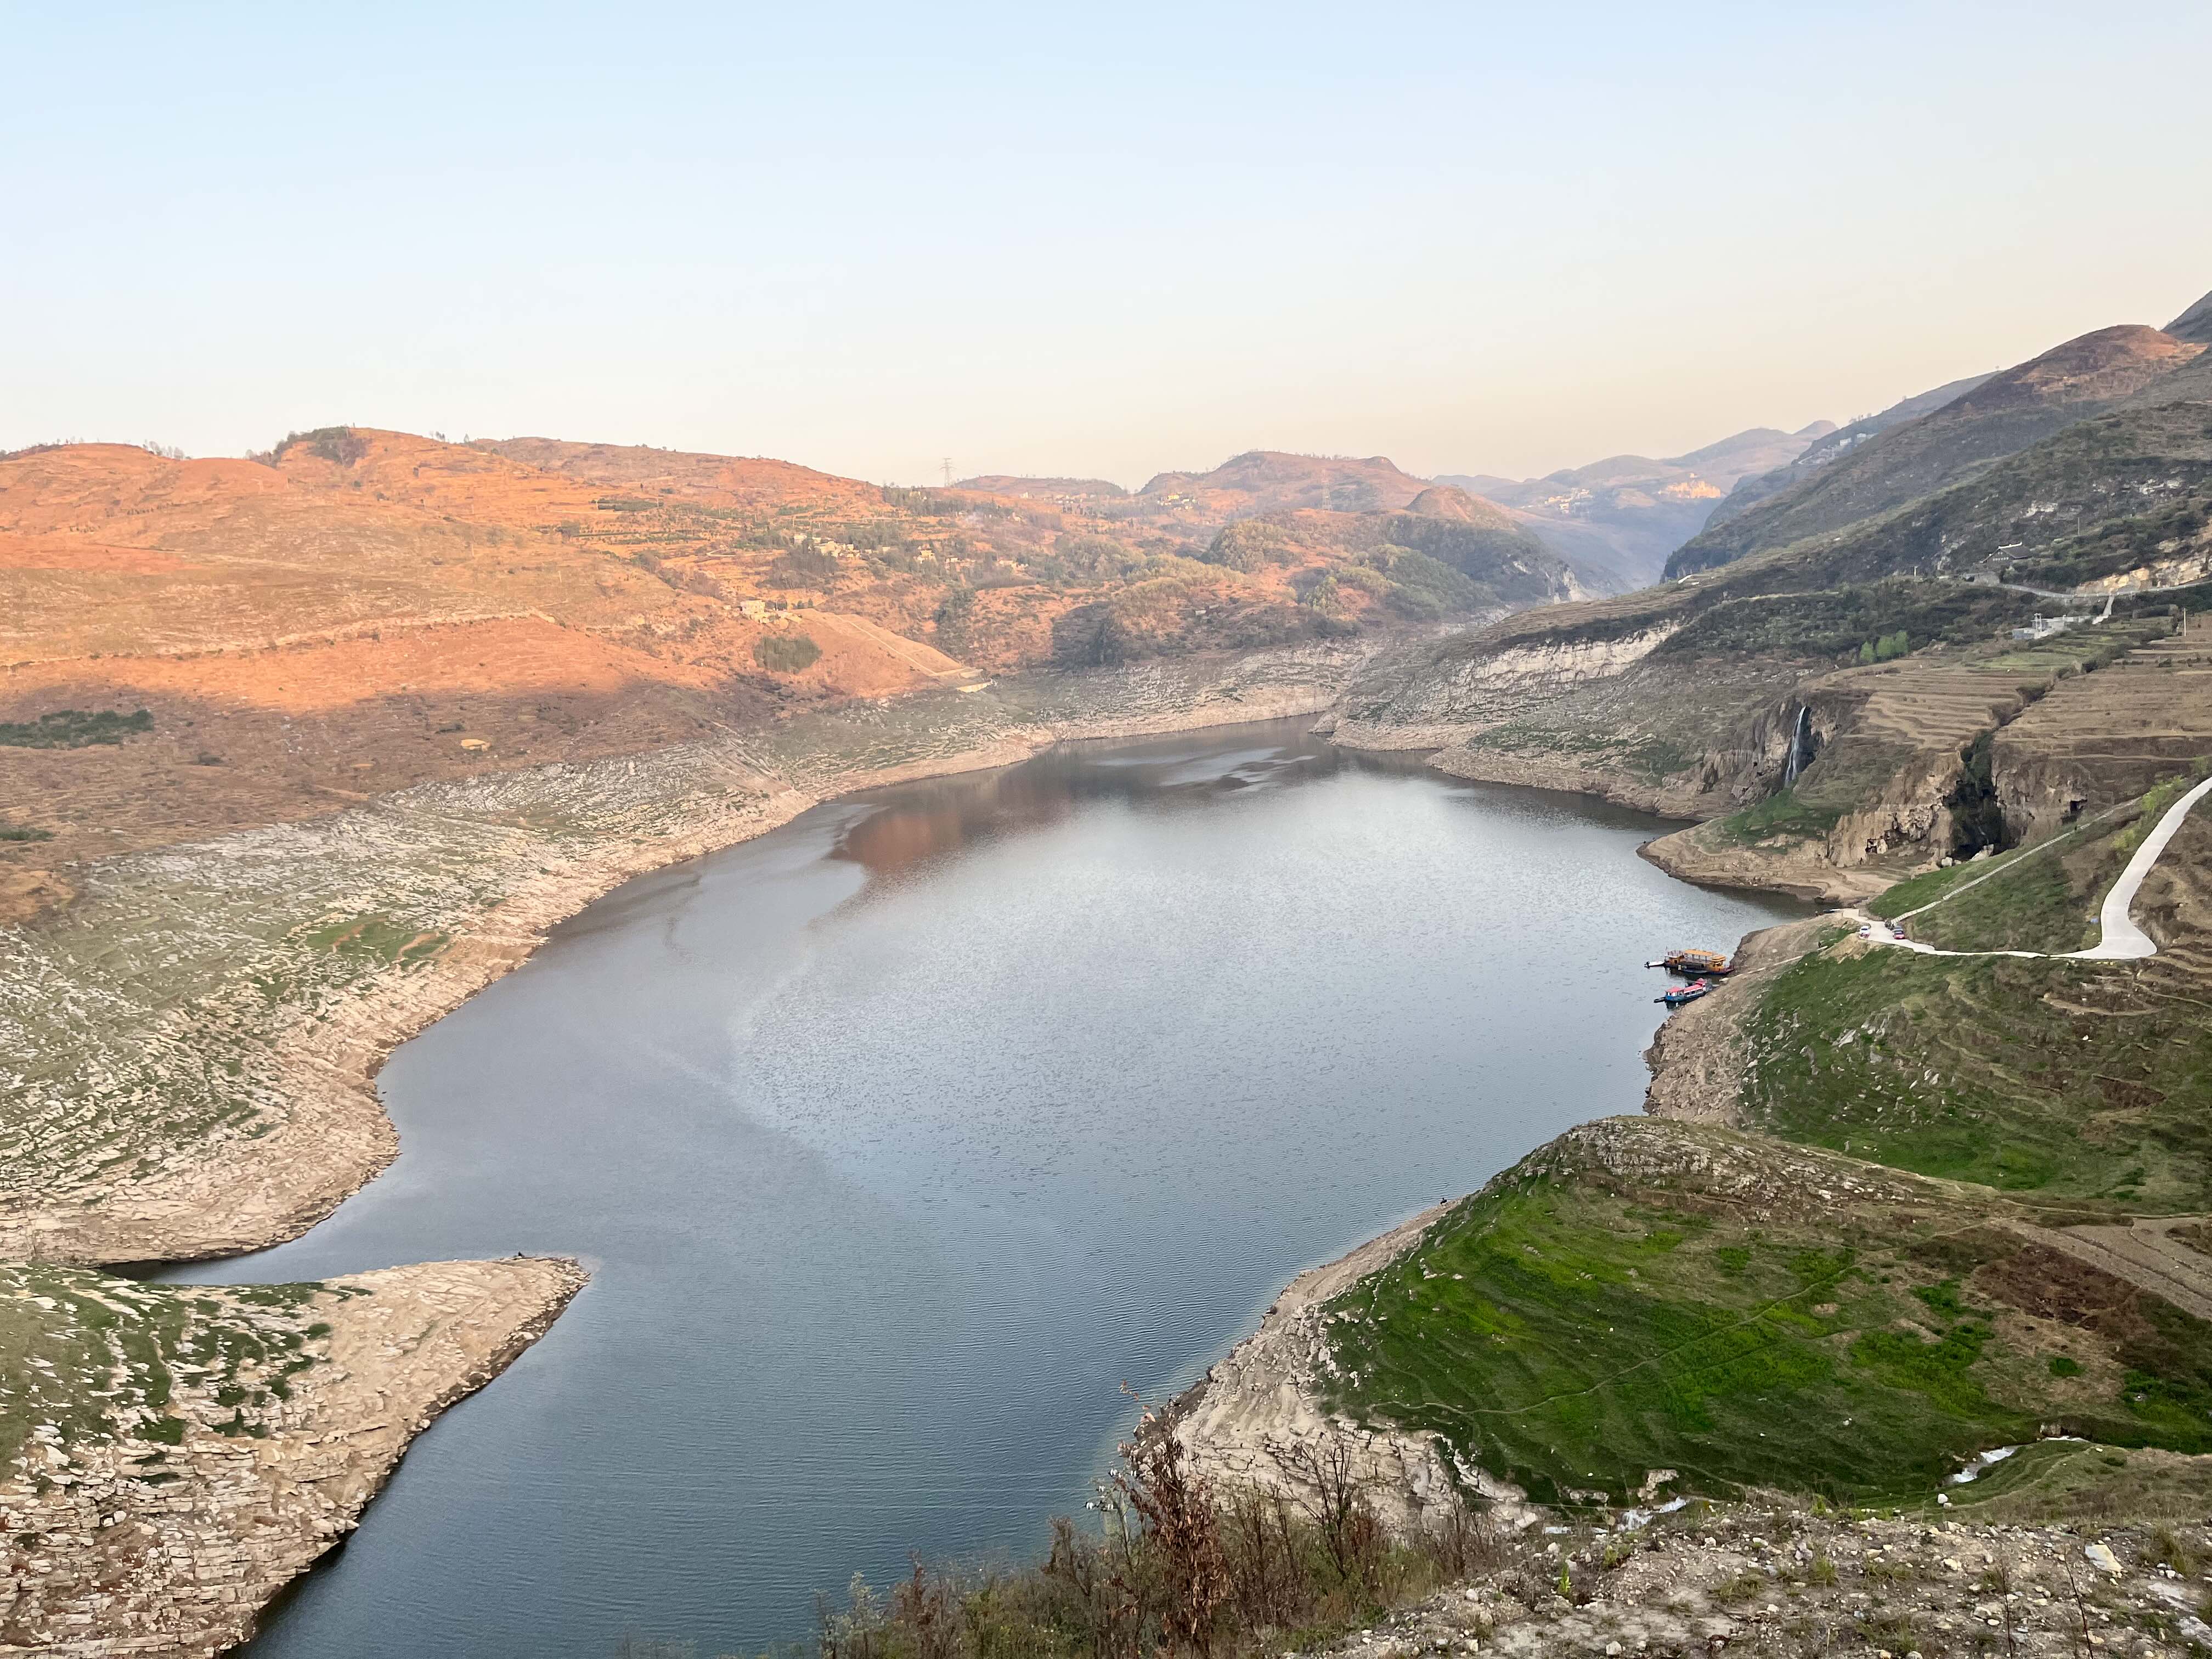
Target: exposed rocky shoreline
(169, 1535)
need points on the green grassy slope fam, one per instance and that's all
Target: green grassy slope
(1644, 1296)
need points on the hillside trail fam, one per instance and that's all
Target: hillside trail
(2119, 940)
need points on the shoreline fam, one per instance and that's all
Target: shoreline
(1258, 1400)
(104, 1559)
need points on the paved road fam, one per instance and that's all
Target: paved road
(2121, 941)
(2124, 941)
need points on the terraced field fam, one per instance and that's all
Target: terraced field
(2101, 737)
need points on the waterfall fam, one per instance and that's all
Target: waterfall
(1801, 738)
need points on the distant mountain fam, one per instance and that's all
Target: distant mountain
(1065, 491)
(1757, 450)
(2121, 500)
(2002, 415)
(1447, 502)
(1446, 552)
(1616, 521)
(1267, 480)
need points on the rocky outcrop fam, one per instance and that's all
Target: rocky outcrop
(1777, 1582)
(1453, 691)
(275, 1417)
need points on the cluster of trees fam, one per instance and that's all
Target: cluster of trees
(74, 728)
(339, 445)
(1425, 588)
(1888, 646)
(1250, 545)
(803, 566)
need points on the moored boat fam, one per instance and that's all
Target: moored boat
(1696, 965)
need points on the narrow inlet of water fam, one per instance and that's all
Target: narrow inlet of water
(898, 1140)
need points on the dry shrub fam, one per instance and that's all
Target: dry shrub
(1178, 1567)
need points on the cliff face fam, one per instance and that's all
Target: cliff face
(1816, 780)
(1437, 697)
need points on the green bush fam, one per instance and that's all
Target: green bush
(1888, 646)
(786, 653)
(1424, 588)
(1098, 558)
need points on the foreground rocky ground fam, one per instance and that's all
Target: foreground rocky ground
(1784, 1582)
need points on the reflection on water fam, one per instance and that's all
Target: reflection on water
(899, 1139)
(932, 819)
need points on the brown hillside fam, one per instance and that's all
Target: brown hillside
(360, 610)
(2100, 367)
(1448, 501)
(734, 481)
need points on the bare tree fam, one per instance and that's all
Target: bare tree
(1177, 1509)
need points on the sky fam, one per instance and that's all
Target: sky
(1097, 241)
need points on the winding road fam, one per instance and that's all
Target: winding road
(2121, 940)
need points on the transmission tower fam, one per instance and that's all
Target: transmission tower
(946, 464)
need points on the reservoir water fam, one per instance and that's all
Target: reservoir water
(898, 1140)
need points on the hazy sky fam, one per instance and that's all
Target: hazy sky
(1105, 241)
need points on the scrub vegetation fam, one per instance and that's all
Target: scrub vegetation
(1178, 1567)
(74, 728)
(786, 653)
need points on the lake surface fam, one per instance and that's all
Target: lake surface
(898, 1140)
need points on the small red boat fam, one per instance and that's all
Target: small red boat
(1682, 993)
